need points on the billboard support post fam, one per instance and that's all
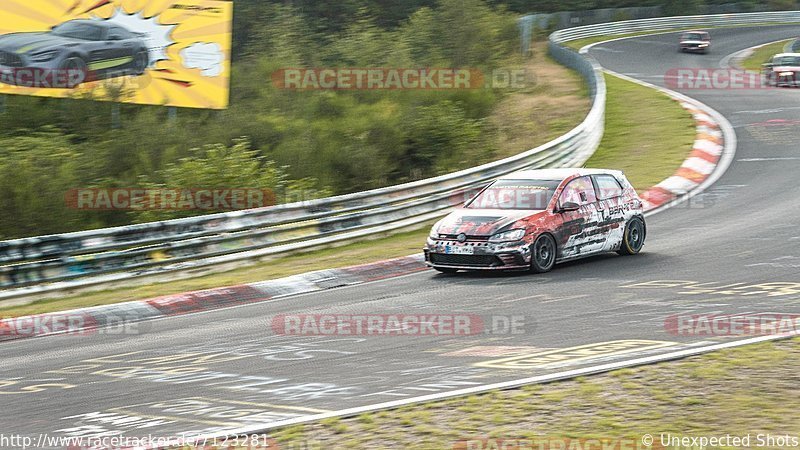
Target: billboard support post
(115, 116)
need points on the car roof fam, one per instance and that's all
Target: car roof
(695, 31)
(557, 174)
(101, 23)
(786, 54)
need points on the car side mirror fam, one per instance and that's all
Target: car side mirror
(569, 206)
(767, 65)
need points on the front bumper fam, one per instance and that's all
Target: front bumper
(694, 48)
(485, 255)
(787, 80)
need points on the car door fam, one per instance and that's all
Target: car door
(612, 210)
(120, 51)
(96, 48)
(580, 234)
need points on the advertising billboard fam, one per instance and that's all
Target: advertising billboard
(153, 52)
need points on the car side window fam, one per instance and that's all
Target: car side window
(580, 191)
(115, 34)
(125, 33)
(608, 187)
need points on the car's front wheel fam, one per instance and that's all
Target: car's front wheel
(633, 237)
(543, 254)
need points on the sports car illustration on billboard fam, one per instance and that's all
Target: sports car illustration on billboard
(533, 219)
(71, 53)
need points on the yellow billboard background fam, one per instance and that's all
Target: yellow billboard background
(183, 74)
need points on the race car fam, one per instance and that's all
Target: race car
(783, 69)
(97, 49)
(533, 219)
(695, 41)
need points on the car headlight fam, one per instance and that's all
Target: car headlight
(786, 74)
(508, 236)
(433, 234)
(703, 45)
(44, 56)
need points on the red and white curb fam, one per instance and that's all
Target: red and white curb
(701, 163)
(712, 153)
(78, 321)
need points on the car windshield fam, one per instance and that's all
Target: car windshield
(787, 61)
(516, 194)
(695, 37)
(79, 30)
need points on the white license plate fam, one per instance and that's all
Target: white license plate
(458, 250)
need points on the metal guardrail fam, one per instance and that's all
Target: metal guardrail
(45, 263)
(675, 23)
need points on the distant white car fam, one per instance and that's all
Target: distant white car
(695, 41)
(783, 70)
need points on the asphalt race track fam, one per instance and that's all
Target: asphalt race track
(734, 249)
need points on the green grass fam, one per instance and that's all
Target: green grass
(648, 135)
(753, 391)
(762, 55)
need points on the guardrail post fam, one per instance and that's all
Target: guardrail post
(172, 114)
(2, 104)
(525, 24)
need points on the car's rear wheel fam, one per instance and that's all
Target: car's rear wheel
(140, 63)
(633, 237)
(446, 270)
(543, 254)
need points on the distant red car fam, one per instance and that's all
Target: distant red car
(695, 41)
(533, 219)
